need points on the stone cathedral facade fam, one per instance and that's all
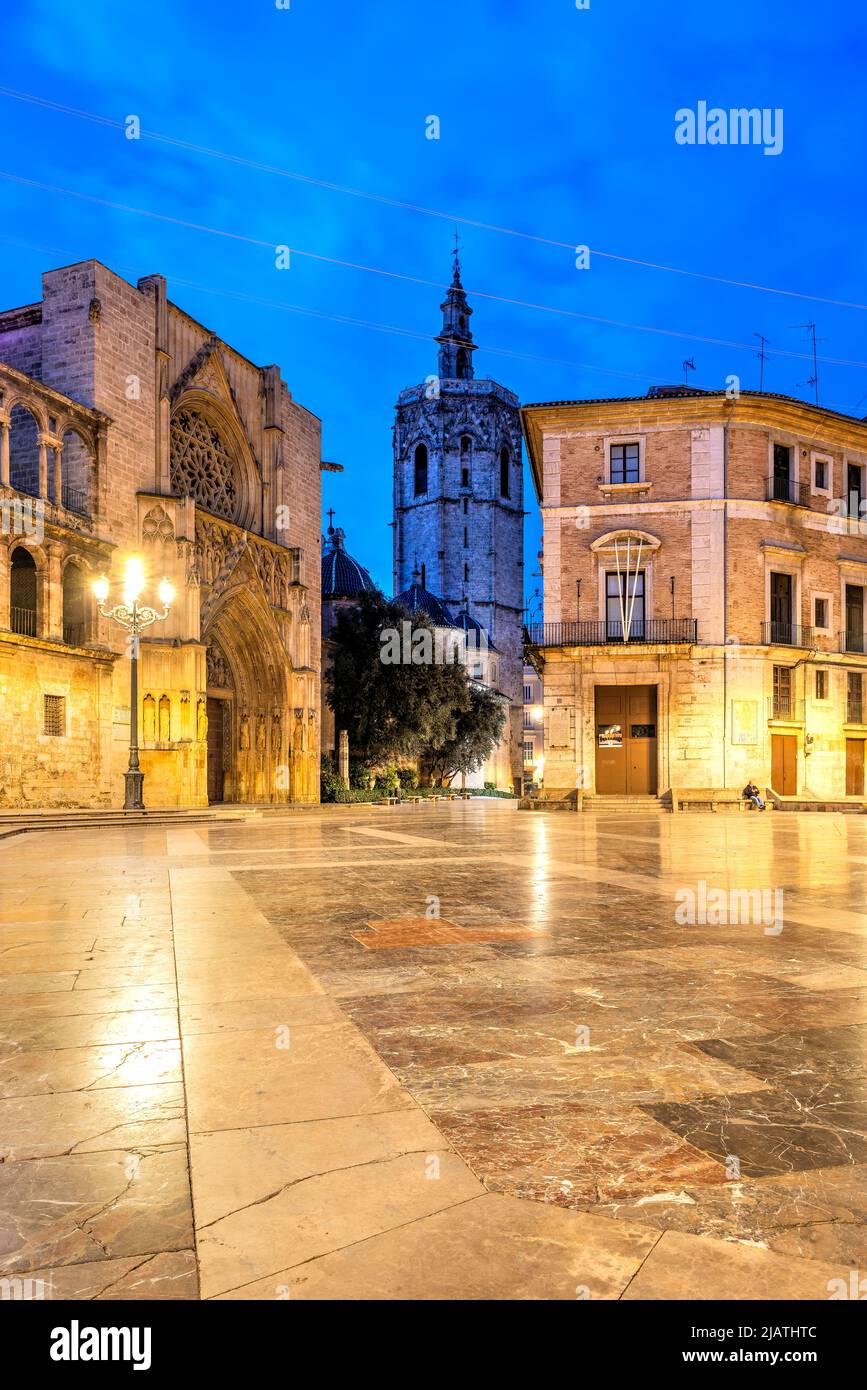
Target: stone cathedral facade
(128, 428)
(458, 499)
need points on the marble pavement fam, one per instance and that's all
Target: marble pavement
(433, 1052)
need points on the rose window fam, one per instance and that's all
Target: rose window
(201, 465)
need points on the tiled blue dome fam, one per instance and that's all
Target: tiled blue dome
(420, 600)
(342, 577)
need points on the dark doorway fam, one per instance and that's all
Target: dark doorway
(626, 740)
(215, 749)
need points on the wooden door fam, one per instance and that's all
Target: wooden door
(784, 764)
(610, 740)
(215, 749)
(855, 766)
(626, 740)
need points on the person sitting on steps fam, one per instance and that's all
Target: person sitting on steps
(752, 793)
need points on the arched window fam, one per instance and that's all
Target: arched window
(75, 607)
(22, 593)
(466, 460)
(462, 364)
(202, 466)
(76, 465)
(504, 472)
(420, 470)
(24, 451)
(466, 574)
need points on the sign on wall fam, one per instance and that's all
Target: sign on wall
(745, 721)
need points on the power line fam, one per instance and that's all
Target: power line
(396, 330)
(406, 206)
(409, 279)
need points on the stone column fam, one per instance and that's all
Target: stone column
(4, 583)
(343, 756)
(58, 473)
(52, 613)
(5, 428)
(43, 466)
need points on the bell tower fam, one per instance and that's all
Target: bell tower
(458, 496)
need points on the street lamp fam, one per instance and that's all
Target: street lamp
(133, 617)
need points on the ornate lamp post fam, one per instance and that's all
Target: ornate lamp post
(133, 617)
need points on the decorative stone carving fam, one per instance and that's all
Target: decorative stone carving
(244, 738)
(219, 671)
(218, 550)
(165, 719)
(202, 721)
(201, 466)
(157, 525)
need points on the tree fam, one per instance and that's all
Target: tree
(391, 708)
(477, 730)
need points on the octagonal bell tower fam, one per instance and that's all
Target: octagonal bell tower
(458, 496)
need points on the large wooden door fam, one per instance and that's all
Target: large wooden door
(784, 764)
(855, 766)
(626, 740)
(215, 749)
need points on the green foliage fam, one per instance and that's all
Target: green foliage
(390, 711)
(408, 779)
(477, 730)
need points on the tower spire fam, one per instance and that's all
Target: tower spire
(456, 338)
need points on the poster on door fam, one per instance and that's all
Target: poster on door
(610, 735)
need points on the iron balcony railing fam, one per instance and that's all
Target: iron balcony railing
(23, 621)
(787, 490)
(852, 641)
(600, 634)
(779, 634)
(783, 705)
(854, 711)
(75, 500)
(74, 634)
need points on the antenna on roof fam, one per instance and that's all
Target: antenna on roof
(688, 366)
(763, 357)
(814, 379)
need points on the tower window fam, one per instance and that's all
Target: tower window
(462, 364)
(504, 472)
(466, 458)
(423, 576)
(466, 505)
(466, 537)
(466, 573)
(420, 470)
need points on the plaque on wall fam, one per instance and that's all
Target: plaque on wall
(558, 727)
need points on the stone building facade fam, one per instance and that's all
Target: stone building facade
(458, 499)
(127, 428)
(705, 593)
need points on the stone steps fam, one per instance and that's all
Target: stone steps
(628, 804)
(83, 818)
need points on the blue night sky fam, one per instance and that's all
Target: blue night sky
(555, 121)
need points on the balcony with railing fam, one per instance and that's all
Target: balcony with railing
(784, 706)
(75, 499)
(787, 490)
(23, 621)
(854, 709)
(780, 634)
(645, 632)
(853, 641)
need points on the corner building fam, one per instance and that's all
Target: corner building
(126, 427)
(705, 569)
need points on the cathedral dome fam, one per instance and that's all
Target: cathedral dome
(342, 577)
(418, 599)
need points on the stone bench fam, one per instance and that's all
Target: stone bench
(710, 799)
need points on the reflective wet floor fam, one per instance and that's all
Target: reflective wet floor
(442, 1051)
